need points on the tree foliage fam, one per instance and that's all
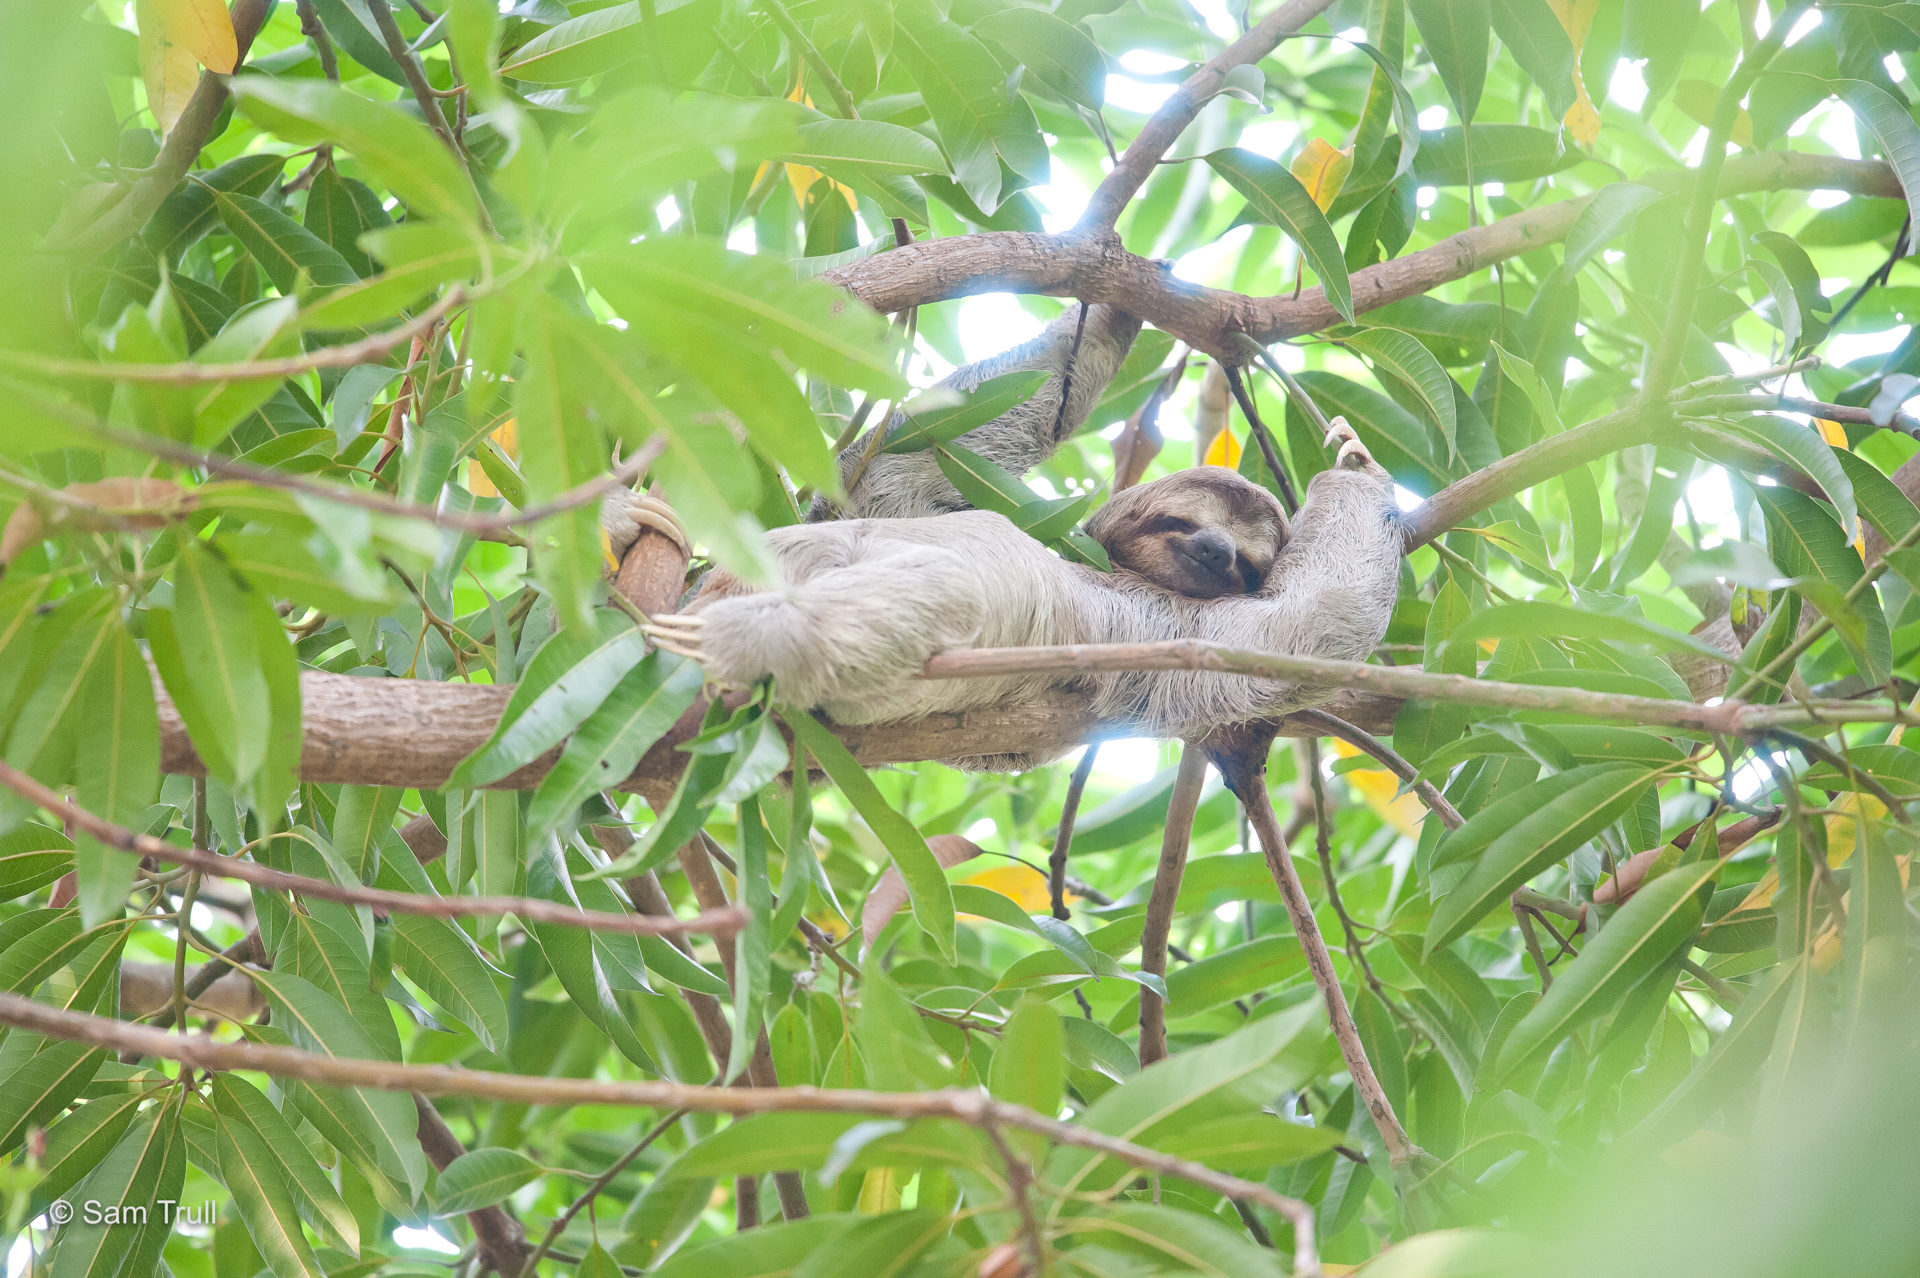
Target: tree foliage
(327, 324)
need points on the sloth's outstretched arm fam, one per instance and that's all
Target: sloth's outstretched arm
(910, 485)
(1330, 594)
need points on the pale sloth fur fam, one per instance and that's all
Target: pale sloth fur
(866, 602)
(910, 485)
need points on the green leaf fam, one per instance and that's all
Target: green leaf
(1406, 359)
(636, 712)
(77, 1143)
(980, 123)
(1201, 1083)
(1537, 41)
(284, 249)
(944, 419)
(481, 1178)
(1514, 839)
(757, 298)
(1544, 618)
(871, 147)
(32, 856)
(1275, 196)
(1456, 35)
(574, 672)
(1507, 153)
(1057, 53)
(220, 663)
(1187, 1242)
(584, 46)
(1802, 448)
(1636, 942)
(926, 882)
(1898, 135)
(117, 759)
(1610, 212)
(313, 1192)
(251, 1173)
(146, 1166)
(1030, 1065)
(1806, 542)
(400, 151)
(382, 1123)
(1527, 378)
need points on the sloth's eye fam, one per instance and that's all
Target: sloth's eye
(1172, 524)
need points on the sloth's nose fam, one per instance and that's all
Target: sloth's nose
(1213, 549)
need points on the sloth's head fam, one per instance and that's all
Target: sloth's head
(1201, 533)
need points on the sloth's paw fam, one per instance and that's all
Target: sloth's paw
(678, 633)
(625, 514)
(1353, 454)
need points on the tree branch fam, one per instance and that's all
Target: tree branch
(1091, 263)
(191, 133)
(720, 921)
(1177, 834)
(1184, 103)
(188, 373)
(969, 1107)
(503, 1243)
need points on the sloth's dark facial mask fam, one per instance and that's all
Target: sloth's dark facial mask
(1202, 533)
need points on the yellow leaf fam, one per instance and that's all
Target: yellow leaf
(1832, 432)
(506, 438)
(1697, 99)
(206, 28)
(1322, 170)
(1223, 451)
(1025, 886)
(1576, 19)
(167, 66)
(1380, 789)
(829, 923)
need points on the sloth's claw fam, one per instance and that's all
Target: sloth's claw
(1353, 456)
(1339, 433)
(677, 633)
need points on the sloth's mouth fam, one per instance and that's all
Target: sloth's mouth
(1206, 580)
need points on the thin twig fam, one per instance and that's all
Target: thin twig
(1019, 1188)
(1242, 760)
(1368, 744)
(416, 76)
(188, 373)
(1684, 280)
(1732, 717)
(495, 527)
(721, 922)
(1323, 850)
(970, 1107)
(1268, 451)
(805, 47)
(1063, 837)
(592, 1191)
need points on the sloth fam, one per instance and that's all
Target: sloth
(867, 602)
(1217, 536)
(911, 486)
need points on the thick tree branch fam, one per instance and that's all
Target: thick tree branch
(969, 1107)
(1093, 265)
(1184, 103)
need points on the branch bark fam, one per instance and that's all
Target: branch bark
(1184, 103)
(1182, 804)
(723, 921)
(1091, 264)
(969, 1107)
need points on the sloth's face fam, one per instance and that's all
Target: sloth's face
(1202, 533)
